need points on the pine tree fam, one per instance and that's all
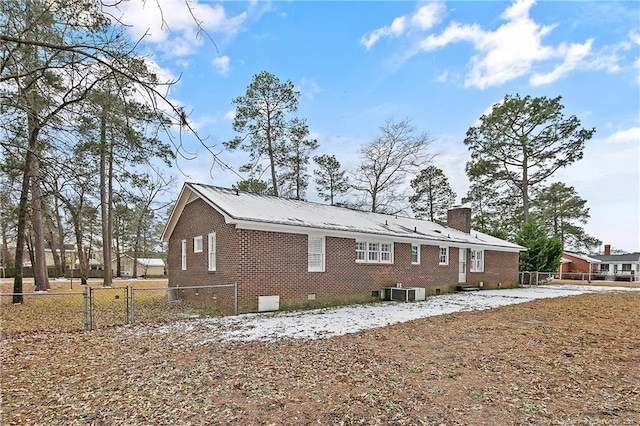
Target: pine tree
(330, 180)
(432, 196)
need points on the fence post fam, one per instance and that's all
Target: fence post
(87, 297)
(126, 302)
(133, 302)
(91, 309)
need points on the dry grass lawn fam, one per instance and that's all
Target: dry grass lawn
(566, 361)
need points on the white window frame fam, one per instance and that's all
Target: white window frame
(361, 251)
(477, 260)
(197, 244)
(316, 253)
(211, 251)
(443, 256)
(374, 251)
(417, 247)
(183, 255)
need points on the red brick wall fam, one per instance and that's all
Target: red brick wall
(577, 264)
(499, 267)
(198, 218)
(276, 264)
(459, 218)
(273, 263)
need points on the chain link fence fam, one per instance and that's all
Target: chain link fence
(171, 303)
(535, 277)
(100, 307)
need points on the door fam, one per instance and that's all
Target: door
(462, 265)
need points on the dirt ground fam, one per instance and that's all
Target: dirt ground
(565, 361)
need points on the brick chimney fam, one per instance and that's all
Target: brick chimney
(459, 218)
(607, 249)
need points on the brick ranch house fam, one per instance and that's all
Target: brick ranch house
(577, 266)
(310, 254)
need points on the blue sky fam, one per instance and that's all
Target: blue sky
(439, 64)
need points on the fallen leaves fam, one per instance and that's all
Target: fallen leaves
(571, 360)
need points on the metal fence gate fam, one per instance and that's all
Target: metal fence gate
(111, 305)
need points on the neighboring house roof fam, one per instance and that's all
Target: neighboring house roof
(150, 262)
(614, 258)
(580, 256)
(269, 213)
(145, 261)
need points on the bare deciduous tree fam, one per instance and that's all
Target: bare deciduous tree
(381, 178)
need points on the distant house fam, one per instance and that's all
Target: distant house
(302, 253)
(619, 267)
(146, 266)
(577, 266)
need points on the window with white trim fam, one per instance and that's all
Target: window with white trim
(374, 252)
(183, 256)
(211, 250)
(361, 251)
(415, 254)
(197, 244)
(477, 261)
(316, 253)
(444, 256)
(386, 252)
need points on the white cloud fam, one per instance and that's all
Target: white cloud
(516, 48)
(574, 56)
(446, 76)
(629, 136)
(502, 55)
(171, 24)
(427, 16)
(184, 63)
(634, 36)
(309, 88)
(609, 58)
(221, 63)
(443, 77)
(424, 18)
(230, 115)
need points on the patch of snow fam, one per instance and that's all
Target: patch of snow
(329, 322)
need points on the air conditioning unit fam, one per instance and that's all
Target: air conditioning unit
(408, 294)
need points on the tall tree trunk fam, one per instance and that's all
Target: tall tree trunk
(40, 275)
(136, 246)
(272, 159)
(83, 257)
(21, 231)
(110, 211)
(105, 200)
(431, 212)
(4, 255)
(524, 187)
(117, 247)
(60, 228)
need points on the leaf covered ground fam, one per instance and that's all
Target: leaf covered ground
(565, 361)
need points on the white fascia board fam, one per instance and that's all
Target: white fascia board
(175, 213)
